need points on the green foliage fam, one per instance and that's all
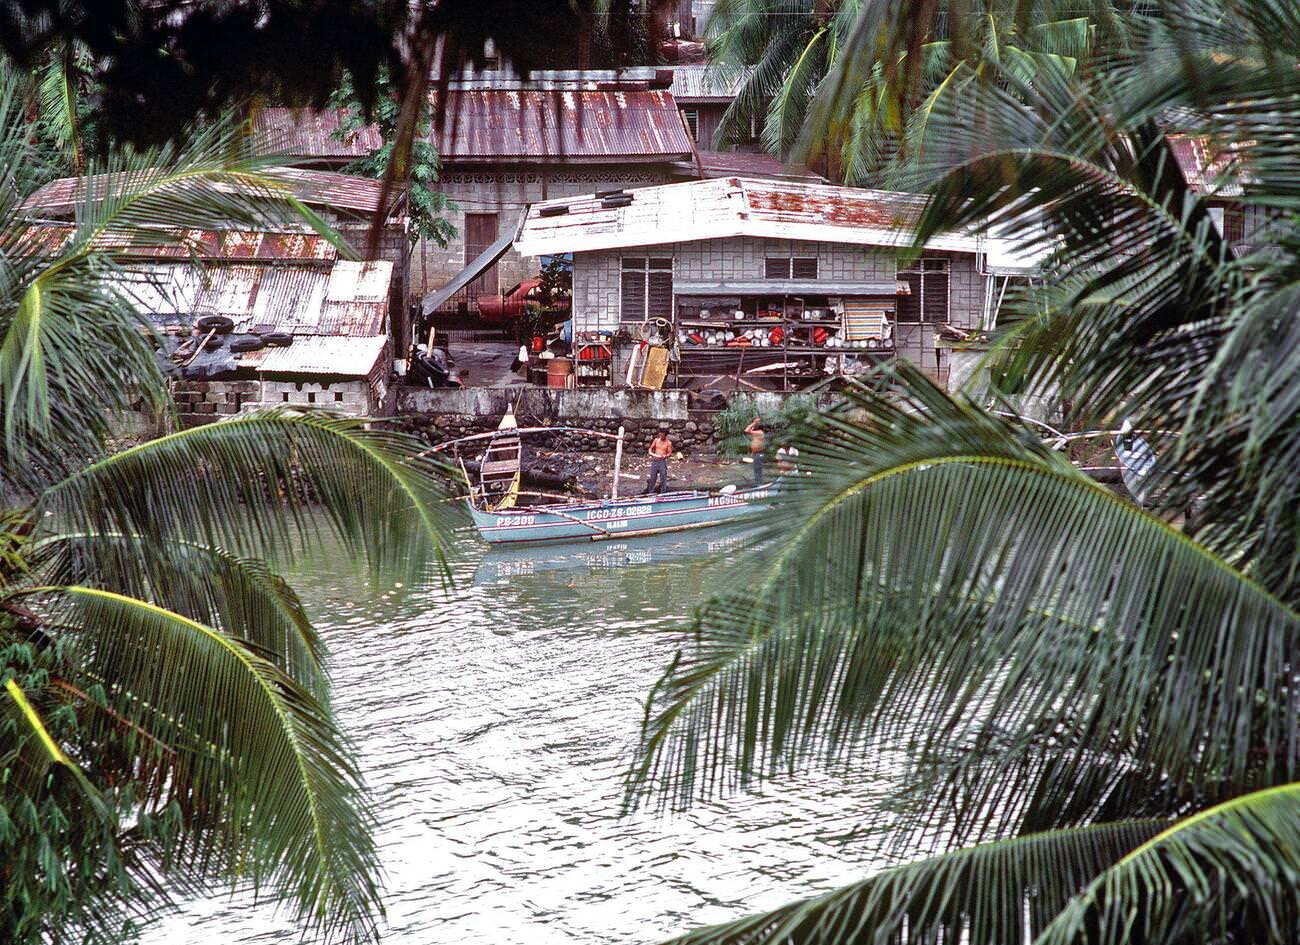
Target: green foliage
(419, 170)
(164, 718)
(780, 423)
(947, 601)
(924, 55)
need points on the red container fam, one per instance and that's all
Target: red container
(538, 343)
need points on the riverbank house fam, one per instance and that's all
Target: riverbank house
(765, 279)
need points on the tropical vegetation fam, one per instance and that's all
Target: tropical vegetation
(1088, 708)
(786, 56)
(165, 722)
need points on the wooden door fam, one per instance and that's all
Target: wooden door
(480, 233)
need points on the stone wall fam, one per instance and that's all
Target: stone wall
(440, 415)
(199, 402)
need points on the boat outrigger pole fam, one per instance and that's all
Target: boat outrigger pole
(618, 462)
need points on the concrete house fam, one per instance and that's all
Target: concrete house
(783, 271)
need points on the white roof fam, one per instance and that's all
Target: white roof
(353, 357)
(729, 207)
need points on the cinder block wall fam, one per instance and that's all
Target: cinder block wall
(200, 402)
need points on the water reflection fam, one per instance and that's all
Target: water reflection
(495, 720)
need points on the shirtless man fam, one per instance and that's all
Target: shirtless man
(757, 443)
(660, 449)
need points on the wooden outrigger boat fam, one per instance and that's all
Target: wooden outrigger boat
(493, 500)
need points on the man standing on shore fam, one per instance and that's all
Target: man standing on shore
(757, 443)
(660, 449)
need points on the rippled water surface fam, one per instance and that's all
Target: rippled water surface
(495, 720)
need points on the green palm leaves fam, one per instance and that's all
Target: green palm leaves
(1230, 872)
(165, 722)
(1040, 662)
(942, 579)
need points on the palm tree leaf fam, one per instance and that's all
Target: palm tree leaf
(991, 894)
(267, 482)
(256, 758)
(35, 750)
(241, 596)
(1231, 872)
(944, 581)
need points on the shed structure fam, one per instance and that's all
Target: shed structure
(317, 325)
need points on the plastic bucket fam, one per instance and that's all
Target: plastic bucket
(558, 371)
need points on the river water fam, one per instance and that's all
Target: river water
(495, 720)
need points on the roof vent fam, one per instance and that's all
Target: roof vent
(557, 211)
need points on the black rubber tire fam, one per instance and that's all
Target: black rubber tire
(221, 323)
(247, 344)
(212, 344)
(277, 339)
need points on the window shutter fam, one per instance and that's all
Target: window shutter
(909, 306)
(934, 298)
(692, 118)
(804, 267)
(661, 294)
(633, 295)
(776, 267)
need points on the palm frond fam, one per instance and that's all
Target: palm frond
(255, 758)
(266, 482)
(1230, 873)
(243, 597)
(945, 582)
(991, 894)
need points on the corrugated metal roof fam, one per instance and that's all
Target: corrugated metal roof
(1208, 167)
(320, 355)
(707, 82)
(185, 244)
(487, 125)
(746, 164)
(544, 126)
(263, 298)
(302, 132)
(316, 188)
(727, 207)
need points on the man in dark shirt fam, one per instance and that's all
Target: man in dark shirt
(660, 449)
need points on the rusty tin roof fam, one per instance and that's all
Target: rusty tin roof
(303, 132)
(317, 188)
(729, 207)
(1209, 168)
(530, 126)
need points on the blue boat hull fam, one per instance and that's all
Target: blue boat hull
(622, 518)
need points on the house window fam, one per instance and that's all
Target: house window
(692, 118)
(647, 288)
(928, 298)
(784, 267)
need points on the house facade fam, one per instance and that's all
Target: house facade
(507, 143)
(782, 270)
